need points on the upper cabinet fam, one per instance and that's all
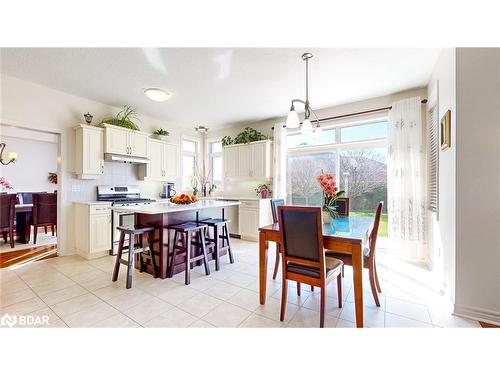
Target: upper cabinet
(121, 141)
(89, 151)
(163, 162)
(253, 160)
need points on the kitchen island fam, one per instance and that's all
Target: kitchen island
(161, 214)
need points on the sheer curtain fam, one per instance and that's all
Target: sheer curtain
(279, 161)
(405, 178)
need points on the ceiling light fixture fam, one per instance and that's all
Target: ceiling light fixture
(12, 156)
(292, 120)
(201, 129)
(157, 95)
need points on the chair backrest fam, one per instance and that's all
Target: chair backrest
(44, 208)
(274, 208)
(343, 206)
(7, 209)
(302, 236)
(372, 238)
(26, 197)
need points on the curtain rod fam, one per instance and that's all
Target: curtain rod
(356, 113)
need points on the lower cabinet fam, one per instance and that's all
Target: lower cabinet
(253, 214)
(92, 229)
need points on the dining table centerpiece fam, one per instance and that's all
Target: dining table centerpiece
(330, 195)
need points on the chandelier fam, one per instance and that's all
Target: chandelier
(292, 120)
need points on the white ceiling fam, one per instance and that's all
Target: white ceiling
(218, 86)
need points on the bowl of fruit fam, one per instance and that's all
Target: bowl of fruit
(184, 199)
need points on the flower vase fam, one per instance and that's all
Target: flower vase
(327, 218)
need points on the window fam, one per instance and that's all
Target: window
(433, 158)
(360, 169)
(215, 162)
(189, 162)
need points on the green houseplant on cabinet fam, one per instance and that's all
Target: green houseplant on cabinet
(125, 118)
(248, 135)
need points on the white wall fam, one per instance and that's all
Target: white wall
(442, 228)
(478, 183)
(37, 156)
(28, 105)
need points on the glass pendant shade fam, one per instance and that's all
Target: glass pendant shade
(292, 121)
(307, 127)
(317, 131)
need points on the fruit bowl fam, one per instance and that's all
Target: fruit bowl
(184, 199)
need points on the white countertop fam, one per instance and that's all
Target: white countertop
(93, 203)
(167, 207)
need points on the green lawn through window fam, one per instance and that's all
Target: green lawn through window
(382, 229)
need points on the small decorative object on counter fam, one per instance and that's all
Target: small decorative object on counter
(4, 184)
(212, 189)
(161, 134)
(264, 191)
(330, 195)
(184, 199)
(53, 178)
(194, 185)
(88, 118)
(124, 118)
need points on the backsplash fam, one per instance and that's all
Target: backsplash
(242, 188)
(115, 173)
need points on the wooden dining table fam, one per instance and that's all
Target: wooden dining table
(346, 234)
(23, 224)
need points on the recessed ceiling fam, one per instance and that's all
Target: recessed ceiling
(215, 87)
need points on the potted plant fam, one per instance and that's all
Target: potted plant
(264, 191)
(330, 195)
(246, 136)
(125, 118)
(161, 134)
(211, 189)
(4, 184)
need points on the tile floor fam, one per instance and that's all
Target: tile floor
(74, 292)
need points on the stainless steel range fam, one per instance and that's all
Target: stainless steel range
(121, 196)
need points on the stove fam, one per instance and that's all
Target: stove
(122, 195)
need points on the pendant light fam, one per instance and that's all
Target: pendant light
(292, 120)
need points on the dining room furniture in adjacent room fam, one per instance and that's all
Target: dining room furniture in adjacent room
(132, 232)
(44, 212)
(274, 210)
(345, 234)
(343, 206)
(369, 251)
(7, 209)
(303, 254)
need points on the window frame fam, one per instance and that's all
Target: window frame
(209, 155)
(195, 154)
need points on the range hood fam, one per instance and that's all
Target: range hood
(126, 158)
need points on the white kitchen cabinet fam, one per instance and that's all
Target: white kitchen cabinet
(163, 162)
(89, 152)
(252, 215)
(253, 160)
(121, 141)
(93, 229)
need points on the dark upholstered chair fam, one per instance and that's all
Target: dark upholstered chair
(343, 206)
(7, 210)
(303, 254)
(44, 212)
(368, 256)
(274, 209)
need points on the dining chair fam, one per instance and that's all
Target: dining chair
(44, 212)
(274, 209)
(303, 254)
(343, 206)
(369, 261)
(7, 209)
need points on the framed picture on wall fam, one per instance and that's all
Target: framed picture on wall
(445, 130)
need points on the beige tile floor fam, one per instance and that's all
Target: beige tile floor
(74, 292)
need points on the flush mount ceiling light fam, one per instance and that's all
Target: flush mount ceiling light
(157, 95)
(201, 129)
(292, 120)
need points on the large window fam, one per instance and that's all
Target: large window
(355, 154)
(215, 162)
(190, 150)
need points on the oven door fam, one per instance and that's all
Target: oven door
(120, 219)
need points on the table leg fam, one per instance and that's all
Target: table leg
(23, 227)
(263, 246)
(357, 271)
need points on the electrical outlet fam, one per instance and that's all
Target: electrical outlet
(75, 188)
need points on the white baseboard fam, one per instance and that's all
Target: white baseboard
(475, 313)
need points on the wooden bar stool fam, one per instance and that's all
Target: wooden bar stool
(132, 232)
(184, 233)
(220, 232)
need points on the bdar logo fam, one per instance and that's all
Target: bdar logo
(8, 320)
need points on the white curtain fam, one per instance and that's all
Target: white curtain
(279, 161)
(405, 177)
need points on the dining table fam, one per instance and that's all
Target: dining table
(23, 222)
(345, 234)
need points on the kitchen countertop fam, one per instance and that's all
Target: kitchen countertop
(92, 203)
(167, 207)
